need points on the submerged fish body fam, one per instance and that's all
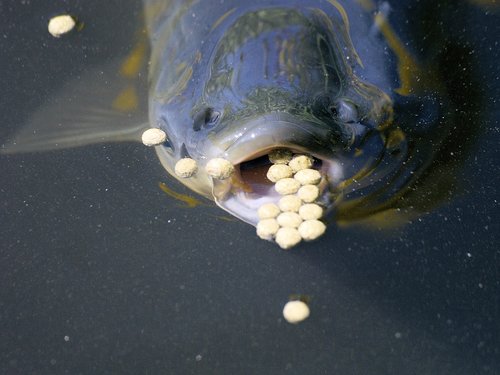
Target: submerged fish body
(237, 80)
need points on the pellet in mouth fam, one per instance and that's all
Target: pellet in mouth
(295, 216)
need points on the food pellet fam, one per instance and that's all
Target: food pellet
(308, 176)
(287, 237)
(308, 193)
(267, 228)
(300, 162)
(310, 211)
(280, 156)
(61, 25)
(296, 311)
(311, 229)
(220, 169)
(268, 211)
(287, 186)
(289, 219)
(289, 203)
(153, 137)
(186, 167)
(278, 172)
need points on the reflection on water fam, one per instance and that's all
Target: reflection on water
(95, 251)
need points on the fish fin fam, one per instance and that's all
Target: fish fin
(102, 105)
(187, 200)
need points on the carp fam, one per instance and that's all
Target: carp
(240, 80)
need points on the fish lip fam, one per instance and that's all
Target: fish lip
(283, 130)
(270, 132)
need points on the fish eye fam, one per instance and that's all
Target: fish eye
(344, 111)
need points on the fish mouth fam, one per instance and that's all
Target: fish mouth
(249, 188)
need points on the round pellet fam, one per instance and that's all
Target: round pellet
(219, 168)
(296, 311)
(268, 211)
(311, 229)
(278, 172)
(280, 156)
(289, 219)
(310, 211)
(153, 137)
(287, 186)
(186, 167)
(267, 228)
(300, 162)
(308, 176)
(289, 203)
(308, 193)
(60, 25)
(287, 237)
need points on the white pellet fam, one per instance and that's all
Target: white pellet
(287, 186)
(311, 229)
(60, 25)
(186, 167)
(153, 137)
(310, 211)
(308, 176)
(219, 168)
(308, 193)
(268, 211)
(289, 219)
(267, 228)
(287, 237)
(278, 172)
(300, 162)
(280, 156)
(289, 203)
(296, 311)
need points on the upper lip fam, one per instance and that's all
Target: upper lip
(284, 130)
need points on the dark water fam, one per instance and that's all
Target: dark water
(101, 272)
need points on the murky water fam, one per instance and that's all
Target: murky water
(103, 272)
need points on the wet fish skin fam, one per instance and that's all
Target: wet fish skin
(220, 73)
(331, 78)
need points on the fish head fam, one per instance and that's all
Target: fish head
(277, 79)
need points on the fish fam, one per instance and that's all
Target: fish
(237, 80)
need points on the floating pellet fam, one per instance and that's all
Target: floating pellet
(278, 172)
(186, 167)
(308, 176)
(267, 228)
(219, 168)
(296, 311)
(310, 211)
(287, 186)
(300, 162)
(60, 25)
(289, 203)
(311, 229)
(268, 211)
(308, 193)
(280, 156)
(289, 219)
(154, 137)
(287, 237)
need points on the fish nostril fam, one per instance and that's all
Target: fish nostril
(207, 119)
(344, 111)
(211, 118)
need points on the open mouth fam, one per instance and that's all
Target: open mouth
(250, 187)
(253, 174)
(284, 198)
